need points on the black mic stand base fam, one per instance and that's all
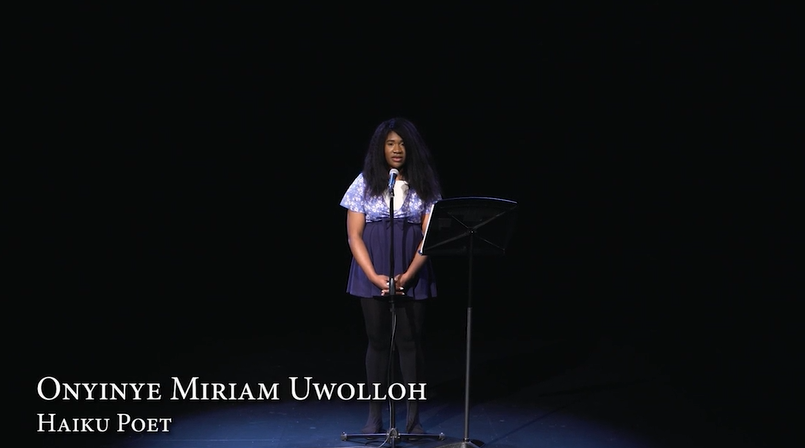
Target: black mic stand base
(464, 444)
(392, 435)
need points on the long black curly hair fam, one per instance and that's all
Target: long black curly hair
(419, 169)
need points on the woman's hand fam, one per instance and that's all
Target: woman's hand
(381, 281)
(400, 280)
(384, 287)
(399, 285)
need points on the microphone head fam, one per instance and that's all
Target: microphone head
(393, 172)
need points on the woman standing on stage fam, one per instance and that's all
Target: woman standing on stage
(395, 145)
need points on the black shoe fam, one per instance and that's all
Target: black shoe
(412, 425)
(374, 421)
(415, 429)
(372, 428)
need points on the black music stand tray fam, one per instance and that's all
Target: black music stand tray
(469, 226)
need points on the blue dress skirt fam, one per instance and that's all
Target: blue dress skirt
(407, 237)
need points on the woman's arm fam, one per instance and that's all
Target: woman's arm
(356, 222)
(419, 259)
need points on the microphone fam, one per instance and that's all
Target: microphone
(393, 173)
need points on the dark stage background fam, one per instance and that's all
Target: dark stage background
(188, 162)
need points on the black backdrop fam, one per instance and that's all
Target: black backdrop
(188, 162)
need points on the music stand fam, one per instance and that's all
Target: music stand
(469, 226)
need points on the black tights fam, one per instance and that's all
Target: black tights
(408, 340)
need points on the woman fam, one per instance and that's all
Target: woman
(395, 145)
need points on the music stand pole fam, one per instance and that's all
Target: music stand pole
(466, 441)
(469, 347)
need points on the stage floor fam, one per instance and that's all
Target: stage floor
(526, 390)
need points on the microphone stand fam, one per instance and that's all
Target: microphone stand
(392, 435)
(392, 432)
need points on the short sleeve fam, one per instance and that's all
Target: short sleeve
(353, 198)
(428, 208)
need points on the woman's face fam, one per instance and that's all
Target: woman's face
(395, 150)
